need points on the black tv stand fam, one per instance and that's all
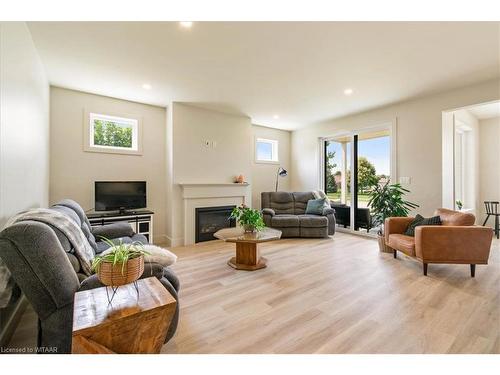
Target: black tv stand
(140, 220)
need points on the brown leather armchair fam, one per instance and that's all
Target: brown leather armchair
(457, 240)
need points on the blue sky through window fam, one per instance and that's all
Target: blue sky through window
(264, 151)
(376, 150)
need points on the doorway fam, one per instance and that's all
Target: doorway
(471, 155)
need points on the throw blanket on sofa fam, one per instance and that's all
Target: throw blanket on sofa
(68, 227)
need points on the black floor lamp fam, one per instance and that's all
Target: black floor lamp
(281, 173)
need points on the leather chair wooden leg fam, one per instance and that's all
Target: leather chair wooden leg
(472, 270)
(395, 253)
(425, 269)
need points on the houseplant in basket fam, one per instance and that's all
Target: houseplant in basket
(387, 200)
(119, 265)
(250, 219)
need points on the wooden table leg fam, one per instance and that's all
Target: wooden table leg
(247, 257)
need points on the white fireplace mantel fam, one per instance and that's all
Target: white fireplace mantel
(209, 190)
(198, 195)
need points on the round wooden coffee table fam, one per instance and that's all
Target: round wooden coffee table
(247, 252)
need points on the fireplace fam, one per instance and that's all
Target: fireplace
(210, 219)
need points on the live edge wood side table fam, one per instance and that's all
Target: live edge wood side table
(247, 252)
(131, 323)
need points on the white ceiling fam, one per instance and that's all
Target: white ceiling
(485, 111)
(296, 70)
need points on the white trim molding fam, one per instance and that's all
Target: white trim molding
(198, 195)
(135, 122)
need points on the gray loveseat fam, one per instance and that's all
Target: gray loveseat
(286, 212)
(43, 265)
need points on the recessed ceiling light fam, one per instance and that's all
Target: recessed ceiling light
(276, 117)
(146, 86)
(186, 24)
(348, 91)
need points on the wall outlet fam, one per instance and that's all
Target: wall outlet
(206, 143)
(405, 180)
(214, 144)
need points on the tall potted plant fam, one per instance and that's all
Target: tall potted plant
(387, 200)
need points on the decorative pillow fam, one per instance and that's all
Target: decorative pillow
(420, 220)
(315, 206)
(159, 255)
(319, 194)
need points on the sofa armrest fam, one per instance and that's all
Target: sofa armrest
(396, 225)
(114, 230)
(453, 244)
(328, 211)
(268, 211)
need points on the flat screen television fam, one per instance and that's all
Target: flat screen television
(120, 195)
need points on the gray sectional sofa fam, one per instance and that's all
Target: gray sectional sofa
(42, 263)
(286, 212)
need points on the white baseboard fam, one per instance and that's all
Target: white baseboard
(175, 242)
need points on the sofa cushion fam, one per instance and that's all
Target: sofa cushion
(313, 221)
(455, 218)
(403, 243)
(300, 201)
(306, 232)
(281, 202)
(285, 221)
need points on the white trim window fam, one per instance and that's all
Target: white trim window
(266, 151)
(112, 134)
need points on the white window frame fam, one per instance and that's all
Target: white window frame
(274, 150)
(133, 121)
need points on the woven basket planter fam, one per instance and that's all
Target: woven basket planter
(116, 275)
(382, 246)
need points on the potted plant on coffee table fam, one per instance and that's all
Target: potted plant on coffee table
(121, 264)
(250, 219)
(387, 200)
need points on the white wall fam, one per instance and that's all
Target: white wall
(419, 133)
(24, 123)
(489, 162)
(192, 162)
(73, 170)
(264, 174)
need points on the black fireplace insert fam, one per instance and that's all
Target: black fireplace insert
(210, 219)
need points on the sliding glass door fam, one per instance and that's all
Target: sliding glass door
(353, 164)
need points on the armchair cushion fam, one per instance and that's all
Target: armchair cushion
(450, 217)
(403, 243)
(395, 225)
(113, 230)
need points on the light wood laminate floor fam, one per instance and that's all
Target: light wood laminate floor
(337, 295)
